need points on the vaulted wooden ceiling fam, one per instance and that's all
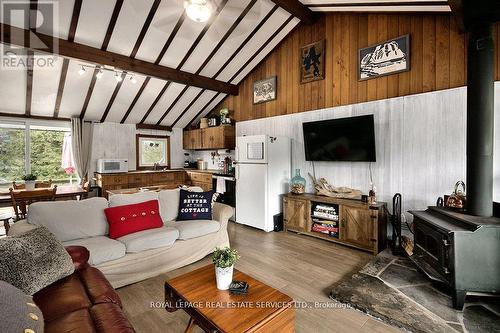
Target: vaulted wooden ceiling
(182, 68)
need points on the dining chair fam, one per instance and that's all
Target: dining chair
(41, 184)
(22, 199)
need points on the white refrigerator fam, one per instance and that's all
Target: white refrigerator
(263, 172)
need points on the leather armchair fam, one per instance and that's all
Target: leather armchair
(82, 302)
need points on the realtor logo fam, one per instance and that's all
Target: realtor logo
(21, 21)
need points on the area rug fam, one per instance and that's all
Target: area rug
(391, 289)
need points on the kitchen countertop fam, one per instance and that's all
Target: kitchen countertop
(211, 171)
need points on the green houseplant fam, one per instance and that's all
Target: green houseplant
(29, 181)
(224, 260)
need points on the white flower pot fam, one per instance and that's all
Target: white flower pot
(224, 277)
(30, 185)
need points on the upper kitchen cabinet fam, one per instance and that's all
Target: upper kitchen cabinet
(220, 137)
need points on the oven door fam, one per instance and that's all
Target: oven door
(229, 196)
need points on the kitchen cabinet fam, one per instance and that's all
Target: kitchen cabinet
(200, 179)
(220, 137)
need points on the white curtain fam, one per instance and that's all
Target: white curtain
(81, 142)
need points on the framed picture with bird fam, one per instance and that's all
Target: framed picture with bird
(312, 62)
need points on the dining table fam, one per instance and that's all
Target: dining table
(67, 192)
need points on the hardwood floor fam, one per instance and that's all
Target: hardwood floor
(302, 267)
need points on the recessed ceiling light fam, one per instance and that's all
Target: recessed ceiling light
(198, 10)
(118, 77)
(81, 71)
(99, 74)
(133, 79)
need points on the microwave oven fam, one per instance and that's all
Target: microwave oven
(110, 165)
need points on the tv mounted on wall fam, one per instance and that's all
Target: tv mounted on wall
(344, 139)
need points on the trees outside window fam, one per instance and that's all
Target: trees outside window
(31, 149)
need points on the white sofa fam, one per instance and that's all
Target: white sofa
(136, 256)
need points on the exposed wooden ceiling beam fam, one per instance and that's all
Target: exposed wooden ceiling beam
(113, 96)
(111, 25)
(145, 28)
(172, 105)
(458, 13)
(152, 106)
(136, 98)
(171, 38)
(203, 109)
(153, 127)
(297, 9)
(89, 92)
(10, 35)
(60, 89)
(188, 107)
(77, 7)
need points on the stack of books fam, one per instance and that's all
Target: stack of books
(325, 220)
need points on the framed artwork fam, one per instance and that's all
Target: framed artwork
(264, 90)
(152, 150)
(386, 58)
(312, 62)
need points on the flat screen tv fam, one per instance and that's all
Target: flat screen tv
(344, 139)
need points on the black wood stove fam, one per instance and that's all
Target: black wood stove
(459, 250)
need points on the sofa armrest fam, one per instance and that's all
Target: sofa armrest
(221, 213)
(79, 254)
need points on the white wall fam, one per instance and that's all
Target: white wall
(420, 142)
(207, 157)
(114, 140)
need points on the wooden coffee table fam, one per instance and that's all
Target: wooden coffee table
(263, 309)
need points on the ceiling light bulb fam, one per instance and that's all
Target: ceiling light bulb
(133, 79)
(118, 77)
(81, 71)
(99, 74)
(198, 10)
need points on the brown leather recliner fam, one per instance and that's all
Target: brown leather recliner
(82, 302)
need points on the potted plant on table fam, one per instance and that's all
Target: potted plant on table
(224, 259)
(29, 181)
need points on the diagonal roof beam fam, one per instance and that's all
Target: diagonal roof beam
(89, 92)
(64, 71)
(113, 96)
(188, 54)
(9, 35)
(160, 94)
(145, 28)
(136, 98)
(210, 56)
(112, 23)
(203, 109)
(299, 10)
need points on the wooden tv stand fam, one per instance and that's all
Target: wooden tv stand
(360, 225)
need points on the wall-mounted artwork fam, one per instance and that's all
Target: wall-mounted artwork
(312, 62)
(264, 90)
(390, 57)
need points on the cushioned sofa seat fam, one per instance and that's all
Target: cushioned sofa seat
(101, 248)
(149, 239)
(194, 228)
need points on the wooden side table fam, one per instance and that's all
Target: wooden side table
(263, 309)
(5, 218)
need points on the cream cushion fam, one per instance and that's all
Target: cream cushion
(195, 228)
(71, 219)
(149, 239)
(169, 202)
(129, 199)
(101, 248)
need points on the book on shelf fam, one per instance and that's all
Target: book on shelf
(323, 215)
(325, 229)
(322, 221)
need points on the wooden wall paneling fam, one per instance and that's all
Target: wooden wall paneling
(404, 23)
(302, 42)
(442, 52)
(416, 55)
(283, 79)
(328, 86)
(392, 32)
(457, 60)
(295, 71)
(381, 37)
(337, 59)
(308, 86)
(371, 91)
(353, 56)
(362, 42)
(429, 53)
(345, 60)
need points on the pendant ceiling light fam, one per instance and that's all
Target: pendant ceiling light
(198, 10)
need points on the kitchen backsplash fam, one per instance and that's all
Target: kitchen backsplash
(206, 155)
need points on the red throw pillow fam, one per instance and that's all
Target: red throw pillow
(127, 219)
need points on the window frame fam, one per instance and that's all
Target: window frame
(35, 124)
(138, 137)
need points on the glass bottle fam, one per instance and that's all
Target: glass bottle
(298, 183)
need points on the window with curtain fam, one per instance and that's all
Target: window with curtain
(28, 148)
